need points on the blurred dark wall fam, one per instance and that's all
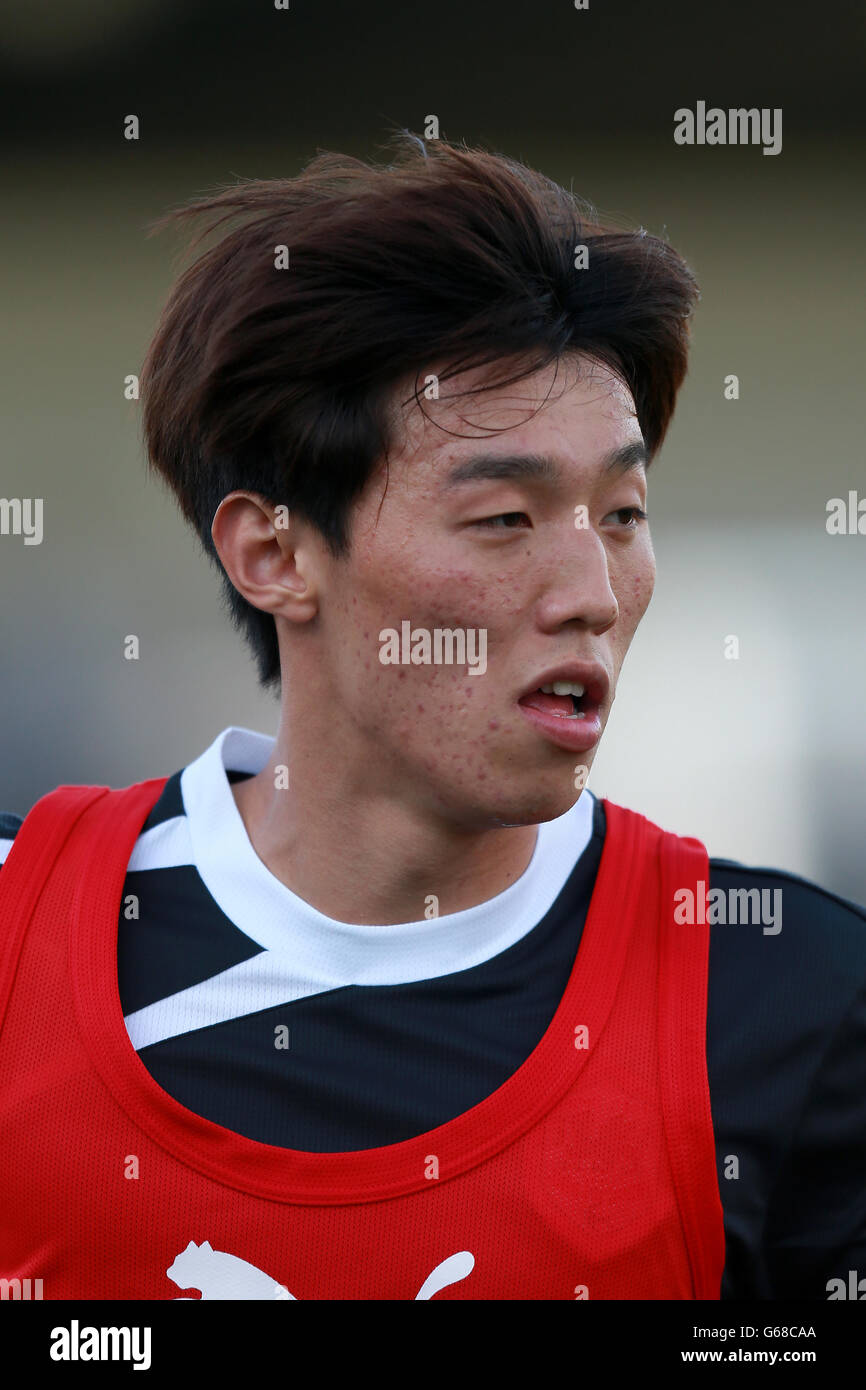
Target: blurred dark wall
(326, 70)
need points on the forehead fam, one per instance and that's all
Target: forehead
(576, 410)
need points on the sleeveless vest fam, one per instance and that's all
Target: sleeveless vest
(590, 1173)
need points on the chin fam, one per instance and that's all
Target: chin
(534, 808)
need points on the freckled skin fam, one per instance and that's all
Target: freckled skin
(415, 770)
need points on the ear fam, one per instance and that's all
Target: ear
(273, 560)
(206, 1245)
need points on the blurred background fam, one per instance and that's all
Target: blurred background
(761, 757)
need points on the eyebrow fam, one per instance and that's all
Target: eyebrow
(540, 467)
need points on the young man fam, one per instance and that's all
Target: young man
(390, 1006)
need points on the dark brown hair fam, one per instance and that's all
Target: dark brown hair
(278, 380)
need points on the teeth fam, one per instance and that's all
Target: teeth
(563, 688)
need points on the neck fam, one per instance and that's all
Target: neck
(357, 854)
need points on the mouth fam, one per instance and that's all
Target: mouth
(562, 699)
(565, 705)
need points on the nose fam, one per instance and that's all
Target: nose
(580, 591)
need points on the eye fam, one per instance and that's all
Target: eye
(628, 517)
(510, 521)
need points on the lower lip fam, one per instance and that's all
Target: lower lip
(575, 735)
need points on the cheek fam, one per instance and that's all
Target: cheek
(429, 595)
(434, 591)
(635, 592)
(644, 585)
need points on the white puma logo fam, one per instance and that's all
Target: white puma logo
(217, 1274)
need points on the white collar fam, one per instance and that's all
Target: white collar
(342, 953)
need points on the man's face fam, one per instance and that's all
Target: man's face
(544, 557)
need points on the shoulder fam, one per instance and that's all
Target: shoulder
(789, 903)
(787, 968)
(775, 930)
(67, 801)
